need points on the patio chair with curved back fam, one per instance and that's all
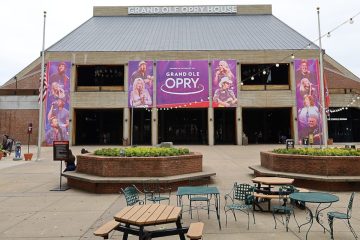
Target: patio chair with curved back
(132, 195)
(240, 198)
(282, 208)
(156, 192)
(343, 216)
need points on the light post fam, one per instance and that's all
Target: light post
(132, 122)
(323, 113)
(41, 92)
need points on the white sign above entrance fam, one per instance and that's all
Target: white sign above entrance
(225, 9)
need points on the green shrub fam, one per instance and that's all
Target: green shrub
(142, 151)
(319, 152)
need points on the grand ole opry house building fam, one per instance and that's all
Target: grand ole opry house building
(187, 74)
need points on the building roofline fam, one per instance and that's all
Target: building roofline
(113, 11)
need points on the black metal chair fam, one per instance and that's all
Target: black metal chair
(282, 208)
(240, 198)
(132, 195)
(156, 192)
(343, 216)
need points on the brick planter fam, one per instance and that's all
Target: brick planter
(139, 166)
(316, 165)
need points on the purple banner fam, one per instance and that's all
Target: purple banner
(57, 101)
(182, 84)
(140, 83)
(224, 83)
(308, 100)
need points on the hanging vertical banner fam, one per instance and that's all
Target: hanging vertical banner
(308, 100)
(140, 84)
(57, 102)
(224, 83)
(183, 84)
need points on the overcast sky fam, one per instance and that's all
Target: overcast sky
(21, 23)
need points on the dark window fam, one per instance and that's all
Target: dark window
(100, 75)
(265, 74)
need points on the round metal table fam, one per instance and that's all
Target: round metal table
(314, 197)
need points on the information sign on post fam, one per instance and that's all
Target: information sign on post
(60, 153)
(289, 143)
(61, 150)
(311, 139)
(305, 141)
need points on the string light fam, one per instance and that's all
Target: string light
(264, 72)
(252, 78)
(308, 46)
(277, 65)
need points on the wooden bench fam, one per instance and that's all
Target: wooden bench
(195, 231)
(105, 229)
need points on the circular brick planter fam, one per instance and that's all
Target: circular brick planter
(105, 166)
(316, 165)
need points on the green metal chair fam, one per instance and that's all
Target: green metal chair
(343, 216)
(282, 208)
(156, 192)
(241, 199)
(198, 199)
(132, 195)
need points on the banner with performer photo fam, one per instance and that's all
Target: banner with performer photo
(140, 84)
(182, 83)
(57, 81)
(308, 100)
(224, 83)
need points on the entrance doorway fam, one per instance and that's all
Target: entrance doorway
(344, 126)
(141, 127)
(224, 126)
(99, 127)
(183, 126)
(267, 125)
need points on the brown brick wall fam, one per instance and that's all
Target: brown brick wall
(15, 124)
(116, 187)
(138, 166)
(316, 165)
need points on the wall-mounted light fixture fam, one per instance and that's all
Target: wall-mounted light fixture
(239, 119)
(154, 119)
(210, 119)
(126, 119)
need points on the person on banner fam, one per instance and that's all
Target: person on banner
(62, 114)
(70, 163)
(224, 95)
(141, 73)
(307, 88)
(223, 70)
(304, 72)
(55, 133)
(60, 76)
(139, 96)
(308, 109)
(312, 128)
(57, 91)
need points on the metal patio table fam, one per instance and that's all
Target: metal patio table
(200, 190)
(314, 197)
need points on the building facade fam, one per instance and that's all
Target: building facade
(104, 53)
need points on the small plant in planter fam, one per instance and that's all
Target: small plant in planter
(319, 152)
(142, 151)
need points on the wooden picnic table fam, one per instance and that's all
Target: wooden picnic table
(265, 192)
(134, 219)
